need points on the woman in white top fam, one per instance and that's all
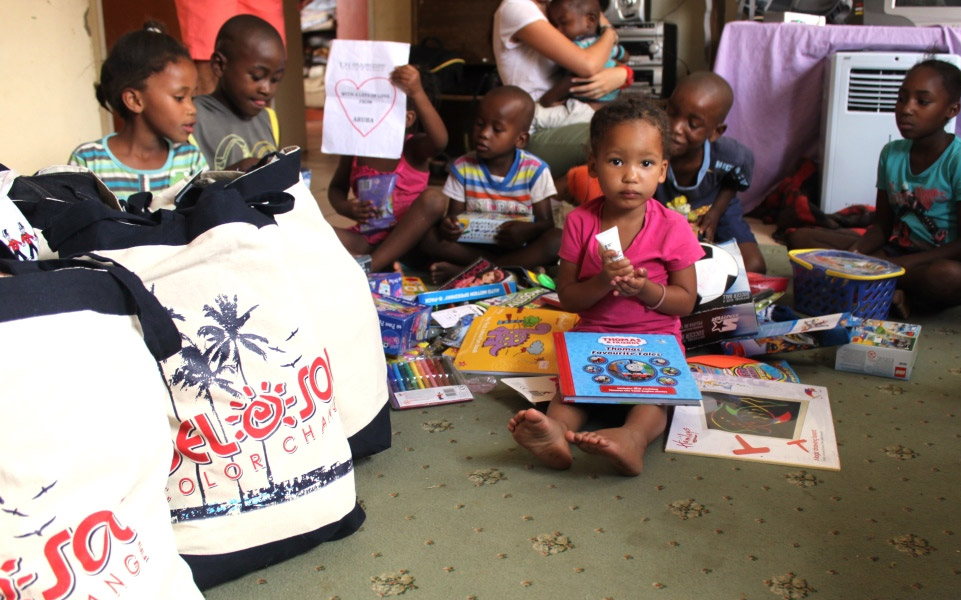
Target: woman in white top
(529, 52)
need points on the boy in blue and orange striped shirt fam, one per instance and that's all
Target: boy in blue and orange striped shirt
(498, 176)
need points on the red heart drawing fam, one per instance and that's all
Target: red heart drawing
(363, 114)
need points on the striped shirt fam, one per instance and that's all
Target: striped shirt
(183, 161)
(528, 181)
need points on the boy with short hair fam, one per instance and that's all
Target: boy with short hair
(498, 176)
(235, 127)
(707, 170)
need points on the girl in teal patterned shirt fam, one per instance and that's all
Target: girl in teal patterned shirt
(919, 194)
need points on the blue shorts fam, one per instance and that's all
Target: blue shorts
(731, 225)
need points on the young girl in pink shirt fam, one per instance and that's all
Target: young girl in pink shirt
(647, 291)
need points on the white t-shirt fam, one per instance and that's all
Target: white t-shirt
(517, 63)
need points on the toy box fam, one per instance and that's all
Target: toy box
(412, 286)
(386, 284)
(480, 227)
(882, 348)
(467, 294)
(724, 308)
(402, 323)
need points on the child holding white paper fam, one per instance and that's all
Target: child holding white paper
(647, 291)
(415, 212)
(497, 176)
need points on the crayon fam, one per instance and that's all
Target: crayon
(398, 377)
(411, 377)
(391, 382)
(403, 376)
(442, 370)
(428, 371)
(417, 373)
(422, 381)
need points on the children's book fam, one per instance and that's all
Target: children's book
(379, 191)
(517, 299)
(623, 368)
(740, 366)
(479, 272)
(513, 341)
(549, 299)
(481, 227)
(760, 420)
(797, 334)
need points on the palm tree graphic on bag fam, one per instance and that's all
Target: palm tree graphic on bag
(214, 365)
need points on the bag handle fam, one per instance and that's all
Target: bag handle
(276, 171)
(83, 214)
(159, 332)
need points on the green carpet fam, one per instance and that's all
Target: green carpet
(456, 510)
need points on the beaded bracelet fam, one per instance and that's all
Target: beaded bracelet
(661, 301)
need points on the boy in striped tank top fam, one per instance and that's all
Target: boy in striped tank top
(498, 176)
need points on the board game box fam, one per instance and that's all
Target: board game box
(882, 348)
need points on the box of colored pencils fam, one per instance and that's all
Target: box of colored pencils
(425, 381)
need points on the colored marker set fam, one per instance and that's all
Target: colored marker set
(425, 381)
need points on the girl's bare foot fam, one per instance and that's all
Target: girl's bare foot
(543, 436)
(619, 445)
(899, 304)
(441, 272)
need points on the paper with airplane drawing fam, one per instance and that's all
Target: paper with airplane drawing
(364, 113)
(755, 419)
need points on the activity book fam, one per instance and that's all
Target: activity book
(623, 368)
(481, 227)
(760, 420)
(513, 341)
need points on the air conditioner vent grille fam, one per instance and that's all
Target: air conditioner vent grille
(874, 90)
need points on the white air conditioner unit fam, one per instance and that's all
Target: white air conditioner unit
(860, 90)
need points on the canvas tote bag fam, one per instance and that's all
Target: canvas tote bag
(274, 323)
(84, 436)
(43, 196)
(366, 418)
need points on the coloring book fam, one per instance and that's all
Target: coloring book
(513, 341)
(623, 368)
(760, 420)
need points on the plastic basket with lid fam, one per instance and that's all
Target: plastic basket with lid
(832, 281)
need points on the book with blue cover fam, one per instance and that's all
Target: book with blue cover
(623, 368)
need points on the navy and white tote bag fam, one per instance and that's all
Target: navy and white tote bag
(281, 363)
(84, 436)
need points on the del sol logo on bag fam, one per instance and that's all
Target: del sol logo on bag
(257, 424)
(98, 546)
